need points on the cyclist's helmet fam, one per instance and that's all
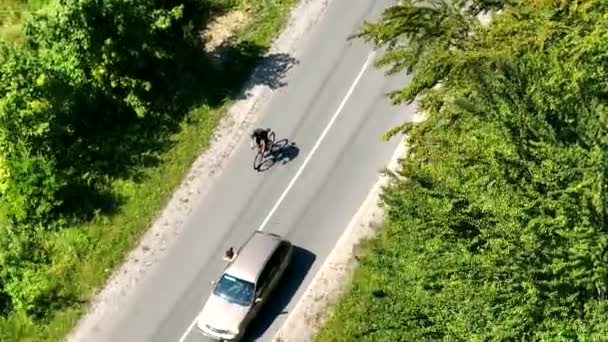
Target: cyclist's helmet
(257, 131)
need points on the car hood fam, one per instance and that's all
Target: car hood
(222, 315)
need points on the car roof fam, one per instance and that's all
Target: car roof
(252, 256)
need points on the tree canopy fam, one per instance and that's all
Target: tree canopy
(91, 79)
(497, 228)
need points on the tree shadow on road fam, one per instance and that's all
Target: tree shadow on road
(237, 59)
(292, 280)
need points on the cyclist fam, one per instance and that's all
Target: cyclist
(258, 137)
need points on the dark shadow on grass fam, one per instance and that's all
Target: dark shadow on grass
(290, 282)
(109, 142)
(53, 302)
(88, 201)
(6, 304)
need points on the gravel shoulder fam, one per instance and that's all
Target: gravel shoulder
(167, 227)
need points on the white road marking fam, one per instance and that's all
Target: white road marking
(318, 143)
(370, 57)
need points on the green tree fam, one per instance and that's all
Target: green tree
(30, 181)
(73, 100)
(117, 46)
(496, 231)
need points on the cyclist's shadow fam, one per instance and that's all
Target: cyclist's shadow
(282, 152)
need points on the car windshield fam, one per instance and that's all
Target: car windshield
(234, 290)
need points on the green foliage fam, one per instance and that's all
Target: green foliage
(118, 46)
(31, 188)
(30, 179)
(497, 230)
(25, 293)
(13, 13)
(415, 33)
(104, 107)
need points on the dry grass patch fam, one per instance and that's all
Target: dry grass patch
(222, 28)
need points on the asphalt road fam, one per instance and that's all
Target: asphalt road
(333, 110)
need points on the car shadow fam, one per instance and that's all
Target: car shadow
(288, 285)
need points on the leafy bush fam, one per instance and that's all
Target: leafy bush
(114, 47)
(104, 107)
(498, 229)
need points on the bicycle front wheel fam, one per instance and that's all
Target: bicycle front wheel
(258, 160)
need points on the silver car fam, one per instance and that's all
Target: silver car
(244, 286)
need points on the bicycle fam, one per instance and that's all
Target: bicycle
(261, 155)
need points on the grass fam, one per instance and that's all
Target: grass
(13, 13)
(356, 314)
(350, 306)
(85, 256)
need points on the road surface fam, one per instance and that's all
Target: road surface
(333, 110)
